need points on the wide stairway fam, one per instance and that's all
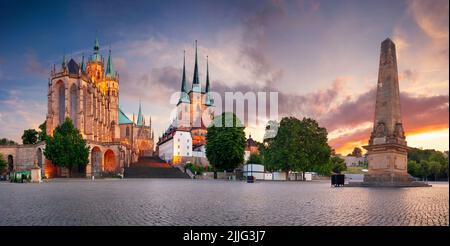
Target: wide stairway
(153, 167)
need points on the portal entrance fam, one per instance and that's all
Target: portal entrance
(110, 161)
(96, 161)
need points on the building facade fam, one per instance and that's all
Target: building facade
(185, 138)
(88, 94)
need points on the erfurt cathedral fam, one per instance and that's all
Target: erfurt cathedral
(88, 94)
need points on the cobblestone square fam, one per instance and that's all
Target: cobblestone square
(218, 202)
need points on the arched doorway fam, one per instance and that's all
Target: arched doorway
(96, 161)
(40, 163)
(10, 163)
(110, 161)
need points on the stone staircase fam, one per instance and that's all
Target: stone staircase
(153, 167)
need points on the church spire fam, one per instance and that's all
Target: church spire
(96, 45)
(183, 80)
(195, 80)
(64, 62)
(96, 56)
(139, 118)
(183, 95)
(208, 100)
(82, 66)
(207, 76)
(109, 66)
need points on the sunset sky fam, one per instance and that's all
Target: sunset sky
(320, 56)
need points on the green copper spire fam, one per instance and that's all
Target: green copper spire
(139, 119)
(64, 62)
(83, 66)
(109, 67)
(96, 45)
(96, 56)
(183, 96)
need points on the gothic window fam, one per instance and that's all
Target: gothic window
(85, 110)
(73, 104)
(61, 102)
(127, 131)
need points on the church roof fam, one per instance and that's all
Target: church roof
(251, 142)
(73, 67)
(123, 119)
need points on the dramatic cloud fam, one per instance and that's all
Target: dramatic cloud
(34, 66)
(18, 113)
(423, 113)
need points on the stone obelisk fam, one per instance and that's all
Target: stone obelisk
(387, 148)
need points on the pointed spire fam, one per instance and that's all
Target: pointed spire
(82, 66)
(195, 80)
(109, 66)
(96, 56)
(184, 89)
(183, 80)
(139, 118)
(96, 44)
(64, 62)
(207, 76)
(150, 122)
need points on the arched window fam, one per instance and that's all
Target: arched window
(73, 104)
(61, 102)
(127, 131)
(85, 109)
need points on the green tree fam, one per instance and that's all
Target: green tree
(444, 167)
(3, 163)
(254, 159)
(424, 169)
(435, 169)
(5, 141)
(300, 145)
(42, 131)
(67, 148)
(337, 164)
(357, 152)
(225, 142)
(30, 136)
(414, 168)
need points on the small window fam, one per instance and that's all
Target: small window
(187, 153)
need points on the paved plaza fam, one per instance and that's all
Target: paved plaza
(218, 202)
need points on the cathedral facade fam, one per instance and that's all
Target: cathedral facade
(185, 138)
(88, 94)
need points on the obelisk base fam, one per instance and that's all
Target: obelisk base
(388, 167)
